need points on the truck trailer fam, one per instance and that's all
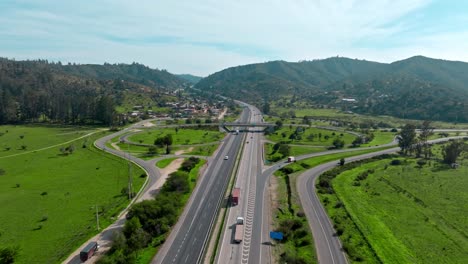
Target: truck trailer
(235, 196)
(239, 235)
(88, 251)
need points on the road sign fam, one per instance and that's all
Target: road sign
(276, 235)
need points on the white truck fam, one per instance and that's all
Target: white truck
(239, 229)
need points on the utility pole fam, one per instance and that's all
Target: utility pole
(97, 218)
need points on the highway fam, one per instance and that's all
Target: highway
(249, 168)
(187, 241)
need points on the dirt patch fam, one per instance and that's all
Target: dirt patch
(114, 145)
(182, 151)
(148, 124)
(273, 190)
(152, 190)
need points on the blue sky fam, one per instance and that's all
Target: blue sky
(205, 36)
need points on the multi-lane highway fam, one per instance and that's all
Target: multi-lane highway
(187, 241)
(249, 168)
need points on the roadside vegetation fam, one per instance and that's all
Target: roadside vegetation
(149, 222)
(58, 190)
(297, 245)
(408, 209)
(288, 217)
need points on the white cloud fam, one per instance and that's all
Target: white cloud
(204, 36)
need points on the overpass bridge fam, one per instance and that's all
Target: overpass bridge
(245, 127)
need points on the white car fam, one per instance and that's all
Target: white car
(226, 157)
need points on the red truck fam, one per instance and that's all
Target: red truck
(88, 251)
(235, 196)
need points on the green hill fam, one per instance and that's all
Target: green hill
(192, 79)
(38, 91)
(136, 73)
(418, 87)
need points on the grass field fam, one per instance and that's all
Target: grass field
(182, 137)
(299, 246)
(164, 162)
(21, 139)
(294, 151)
(336, 114)
(380, 138)
(320, 137)
(48, 199)
(408, 214)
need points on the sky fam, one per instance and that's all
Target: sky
(205, 36)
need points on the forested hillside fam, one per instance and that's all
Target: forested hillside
(32, 91)
(192, 79)
(418, 87)
(136, 73)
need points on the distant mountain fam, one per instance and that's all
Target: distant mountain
(418, 87)
(278, 78)
(192, 79)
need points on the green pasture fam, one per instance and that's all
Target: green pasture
(336, 114)
(310, 136)
(23, 139)
(409, 214)
(183, 136)
(48, 198)
(380, 138)
(295, 150)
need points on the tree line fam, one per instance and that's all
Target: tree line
(411, 142)
(33, 92)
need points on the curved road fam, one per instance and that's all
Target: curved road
(105, 237)
(327, 244)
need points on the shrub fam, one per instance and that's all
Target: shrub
(395, 162)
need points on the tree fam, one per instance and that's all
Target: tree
(407, 138)
(357, 141)
(338, 143)
(452, 151)
(266, 108)
(278, 125)
(8, 255)
(342, 161)
(284, 150)
(426, 132)
(164, 141)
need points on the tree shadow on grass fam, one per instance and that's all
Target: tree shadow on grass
(441, 167)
